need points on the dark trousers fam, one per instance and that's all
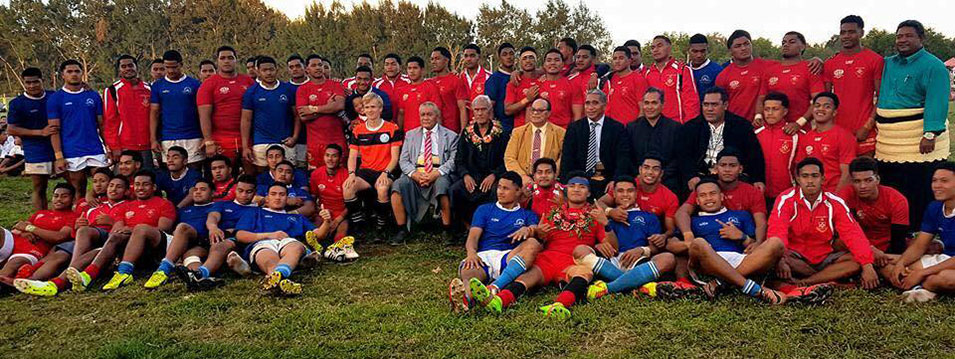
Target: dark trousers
(914, 181)
(464, 203)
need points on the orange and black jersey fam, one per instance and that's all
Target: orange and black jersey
(374, 144)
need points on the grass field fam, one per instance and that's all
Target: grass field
(391, 303)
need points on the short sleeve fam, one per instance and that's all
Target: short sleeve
(848, 152)
(479, 219)
(672, 203)
(900, 210)
(53, 107)
(576, 94)
(167, 210)
(816, 83)
(248, 101)
(511, 96)
(653, 224)
(758, 202)
(749, 225)
(99, 102)
(532, 218)
(204, 95)
(247, 221)
(290, 93)
(154, 94)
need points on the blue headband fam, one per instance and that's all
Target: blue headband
(579, 180)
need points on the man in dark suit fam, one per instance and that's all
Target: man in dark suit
(702, 139)
(657, 134)
(596, 145)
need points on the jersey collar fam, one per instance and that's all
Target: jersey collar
(35, 98)
(517, 207)
(72, 92)
(274, 211)
(704, 64)
(721, 211)
(183, 77)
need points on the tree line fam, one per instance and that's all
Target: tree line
(43, 33)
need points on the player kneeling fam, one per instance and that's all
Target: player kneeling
(190, 239)
(272, 238)
(634, 261)
(500, 243)
(724, 248)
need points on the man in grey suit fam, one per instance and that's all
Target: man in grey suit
(427, 163)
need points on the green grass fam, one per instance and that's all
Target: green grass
(391, 303)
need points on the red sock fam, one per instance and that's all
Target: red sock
(507, 298)
(786, 288)
(92, 270)
(566, 298)
(685, 280)
(60, 283)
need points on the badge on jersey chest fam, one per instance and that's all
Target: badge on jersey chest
(671, 80)
(734, 84)
(786, 146)
(224, 90)
(838, 73)
(822, 224)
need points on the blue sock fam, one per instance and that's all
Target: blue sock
(750, 288)
(165, 266)
(634, 278)
(606, 270)
(515, 267)
(125, 267)
(284, 269)
(203, 272)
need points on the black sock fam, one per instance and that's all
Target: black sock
(578, 286)
(354, 210)
(383, 209)
(516, 288)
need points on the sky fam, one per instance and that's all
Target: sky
(818, 20)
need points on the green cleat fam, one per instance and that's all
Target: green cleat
(597, 290)
(157, 279)
(35, 287)
(484, 298)
(118, 280)
(79, 280)
(555, 310)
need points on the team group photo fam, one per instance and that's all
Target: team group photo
(255, 178)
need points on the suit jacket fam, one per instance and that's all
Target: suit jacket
(517, 156)
(660, 139)
(479, 162)
(447, 142)
(614, 148)
(737, 133)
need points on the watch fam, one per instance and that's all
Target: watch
(929, 136)
(30, 228)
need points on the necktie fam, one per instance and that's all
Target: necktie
(536, 152)
(426, 156)
(592, 147)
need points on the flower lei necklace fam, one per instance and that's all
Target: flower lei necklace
(479, 140)
(563, 222)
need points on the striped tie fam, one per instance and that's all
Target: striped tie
(426, 156)
(592, 147)
(536, 152)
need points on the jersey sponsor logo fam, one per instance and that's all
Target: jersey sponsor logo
(838, 73)
(734, 84)
(809, 150)
(773, 81)
(224, 90)
(321, 187)
(312, 97)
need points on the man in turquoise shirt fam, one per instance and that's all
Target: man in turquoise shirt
(912, 118)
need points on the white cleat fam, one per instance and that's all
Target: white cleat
(918, 295)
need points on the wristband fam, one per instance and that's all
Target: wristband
(58, 155)
(802, 121)
(646, 251)
(758, 116)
